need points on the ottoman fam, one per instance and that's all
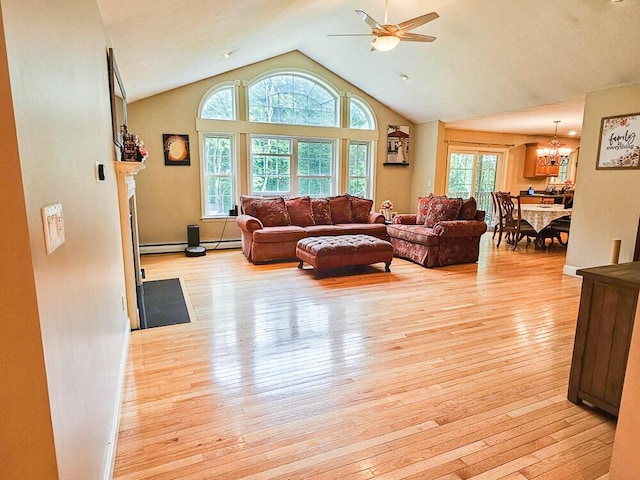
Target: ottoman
(343, 251)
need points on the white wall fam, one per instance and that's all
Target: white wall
(73, 314)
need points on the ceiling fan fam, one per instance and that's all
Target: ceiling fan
(387, 36)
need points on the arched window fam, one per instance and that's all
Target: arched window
(294, 99)
(219, 104)
(360, 115)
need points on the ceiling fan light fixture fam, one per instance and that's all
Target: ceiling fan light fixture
(385, 43)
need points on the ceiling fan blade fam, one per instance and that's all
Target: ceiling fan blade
(369, 21)
(418, 21)
(414, 37)
(350, 35)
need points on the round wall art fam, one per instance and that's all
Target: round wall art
(176, 149)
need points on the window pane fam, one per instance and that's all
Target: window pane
(219, 196)
(315, 187)
(358, 169)
(217, 155)
(220, 105)
(358, 187)
(292, 99)
(360, 116)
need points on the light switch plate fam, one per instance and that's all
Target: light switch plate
(53, 225)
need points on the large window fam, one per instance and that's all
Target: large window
(292, 166)
(297, 136)
(294, 99)
(218, 175)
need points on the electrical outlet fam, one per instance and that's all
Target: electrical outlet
(53, 225)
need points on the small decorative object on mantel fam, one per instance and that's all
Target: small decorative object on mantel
(133, 149)
(619, 142)
(385, 209)
(176, 149)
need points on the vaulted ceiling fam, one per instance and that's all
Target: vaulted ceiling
(510, 66)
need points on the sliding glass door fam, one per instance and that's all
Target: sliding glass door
(473, 173)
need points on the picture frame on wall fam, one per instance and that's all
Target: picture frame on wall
(397, 145)
(619, 144)
(176, 149)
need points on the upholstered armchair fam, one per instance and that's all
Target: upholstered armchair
(444, 231)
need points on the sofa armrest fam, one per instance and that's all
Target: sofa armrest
(375, 218)
(248, 223)
(405, 218)
(460, 228)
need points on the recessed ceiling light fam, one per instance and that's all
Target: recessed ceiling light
(404, 77)
(572, 133)
(227, 55)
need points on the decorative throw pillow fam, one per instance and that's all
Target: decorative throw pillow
(321, 211)
(423, 203)
(272, 212)
(360, 209)
(299, 210)
(246, 204)
(442, 208)
(468, 209)
(340, 209)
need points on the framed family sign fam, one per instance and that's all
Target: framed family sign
(619, 146)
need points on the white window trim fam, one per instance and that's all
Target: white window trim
(370, 165)
(235, 183)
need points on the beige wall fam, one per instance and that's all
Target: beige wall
(607, 202)
(169, 197)
(64, 330)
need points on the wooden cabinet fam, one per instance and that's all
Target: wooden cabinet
(531, 166)
(603, 334)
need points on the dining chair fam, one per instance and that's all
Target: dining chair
(514, 226)
(498, 217)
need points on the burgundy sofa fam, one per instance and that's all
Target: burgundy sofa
(271, 227)
(445, 231)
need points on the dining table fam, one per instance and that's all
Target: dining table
(540, 215)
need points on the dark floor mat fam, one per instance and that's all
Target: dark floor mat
(164, 303)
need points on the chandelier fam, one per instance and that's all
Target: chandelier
(554, 154)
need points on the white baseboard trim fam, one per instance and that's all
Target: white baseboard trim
(110, 459)
(570, 270)
(179, 247)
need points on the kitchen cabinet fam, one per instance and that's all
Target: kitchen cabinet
(531, 166)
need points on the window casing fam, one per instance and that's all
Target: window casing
(218, 174)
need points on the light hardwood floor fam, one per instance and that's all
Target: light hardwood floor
(451, 373)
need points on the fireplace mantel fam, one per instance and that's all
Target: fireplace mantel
(125, 173)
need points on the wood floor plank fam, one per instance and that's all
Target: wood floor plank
(451, 373)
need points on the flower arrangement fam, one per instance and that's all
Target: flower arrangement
(386, 204)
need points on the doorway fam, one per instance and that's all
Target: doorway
(474, 173)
